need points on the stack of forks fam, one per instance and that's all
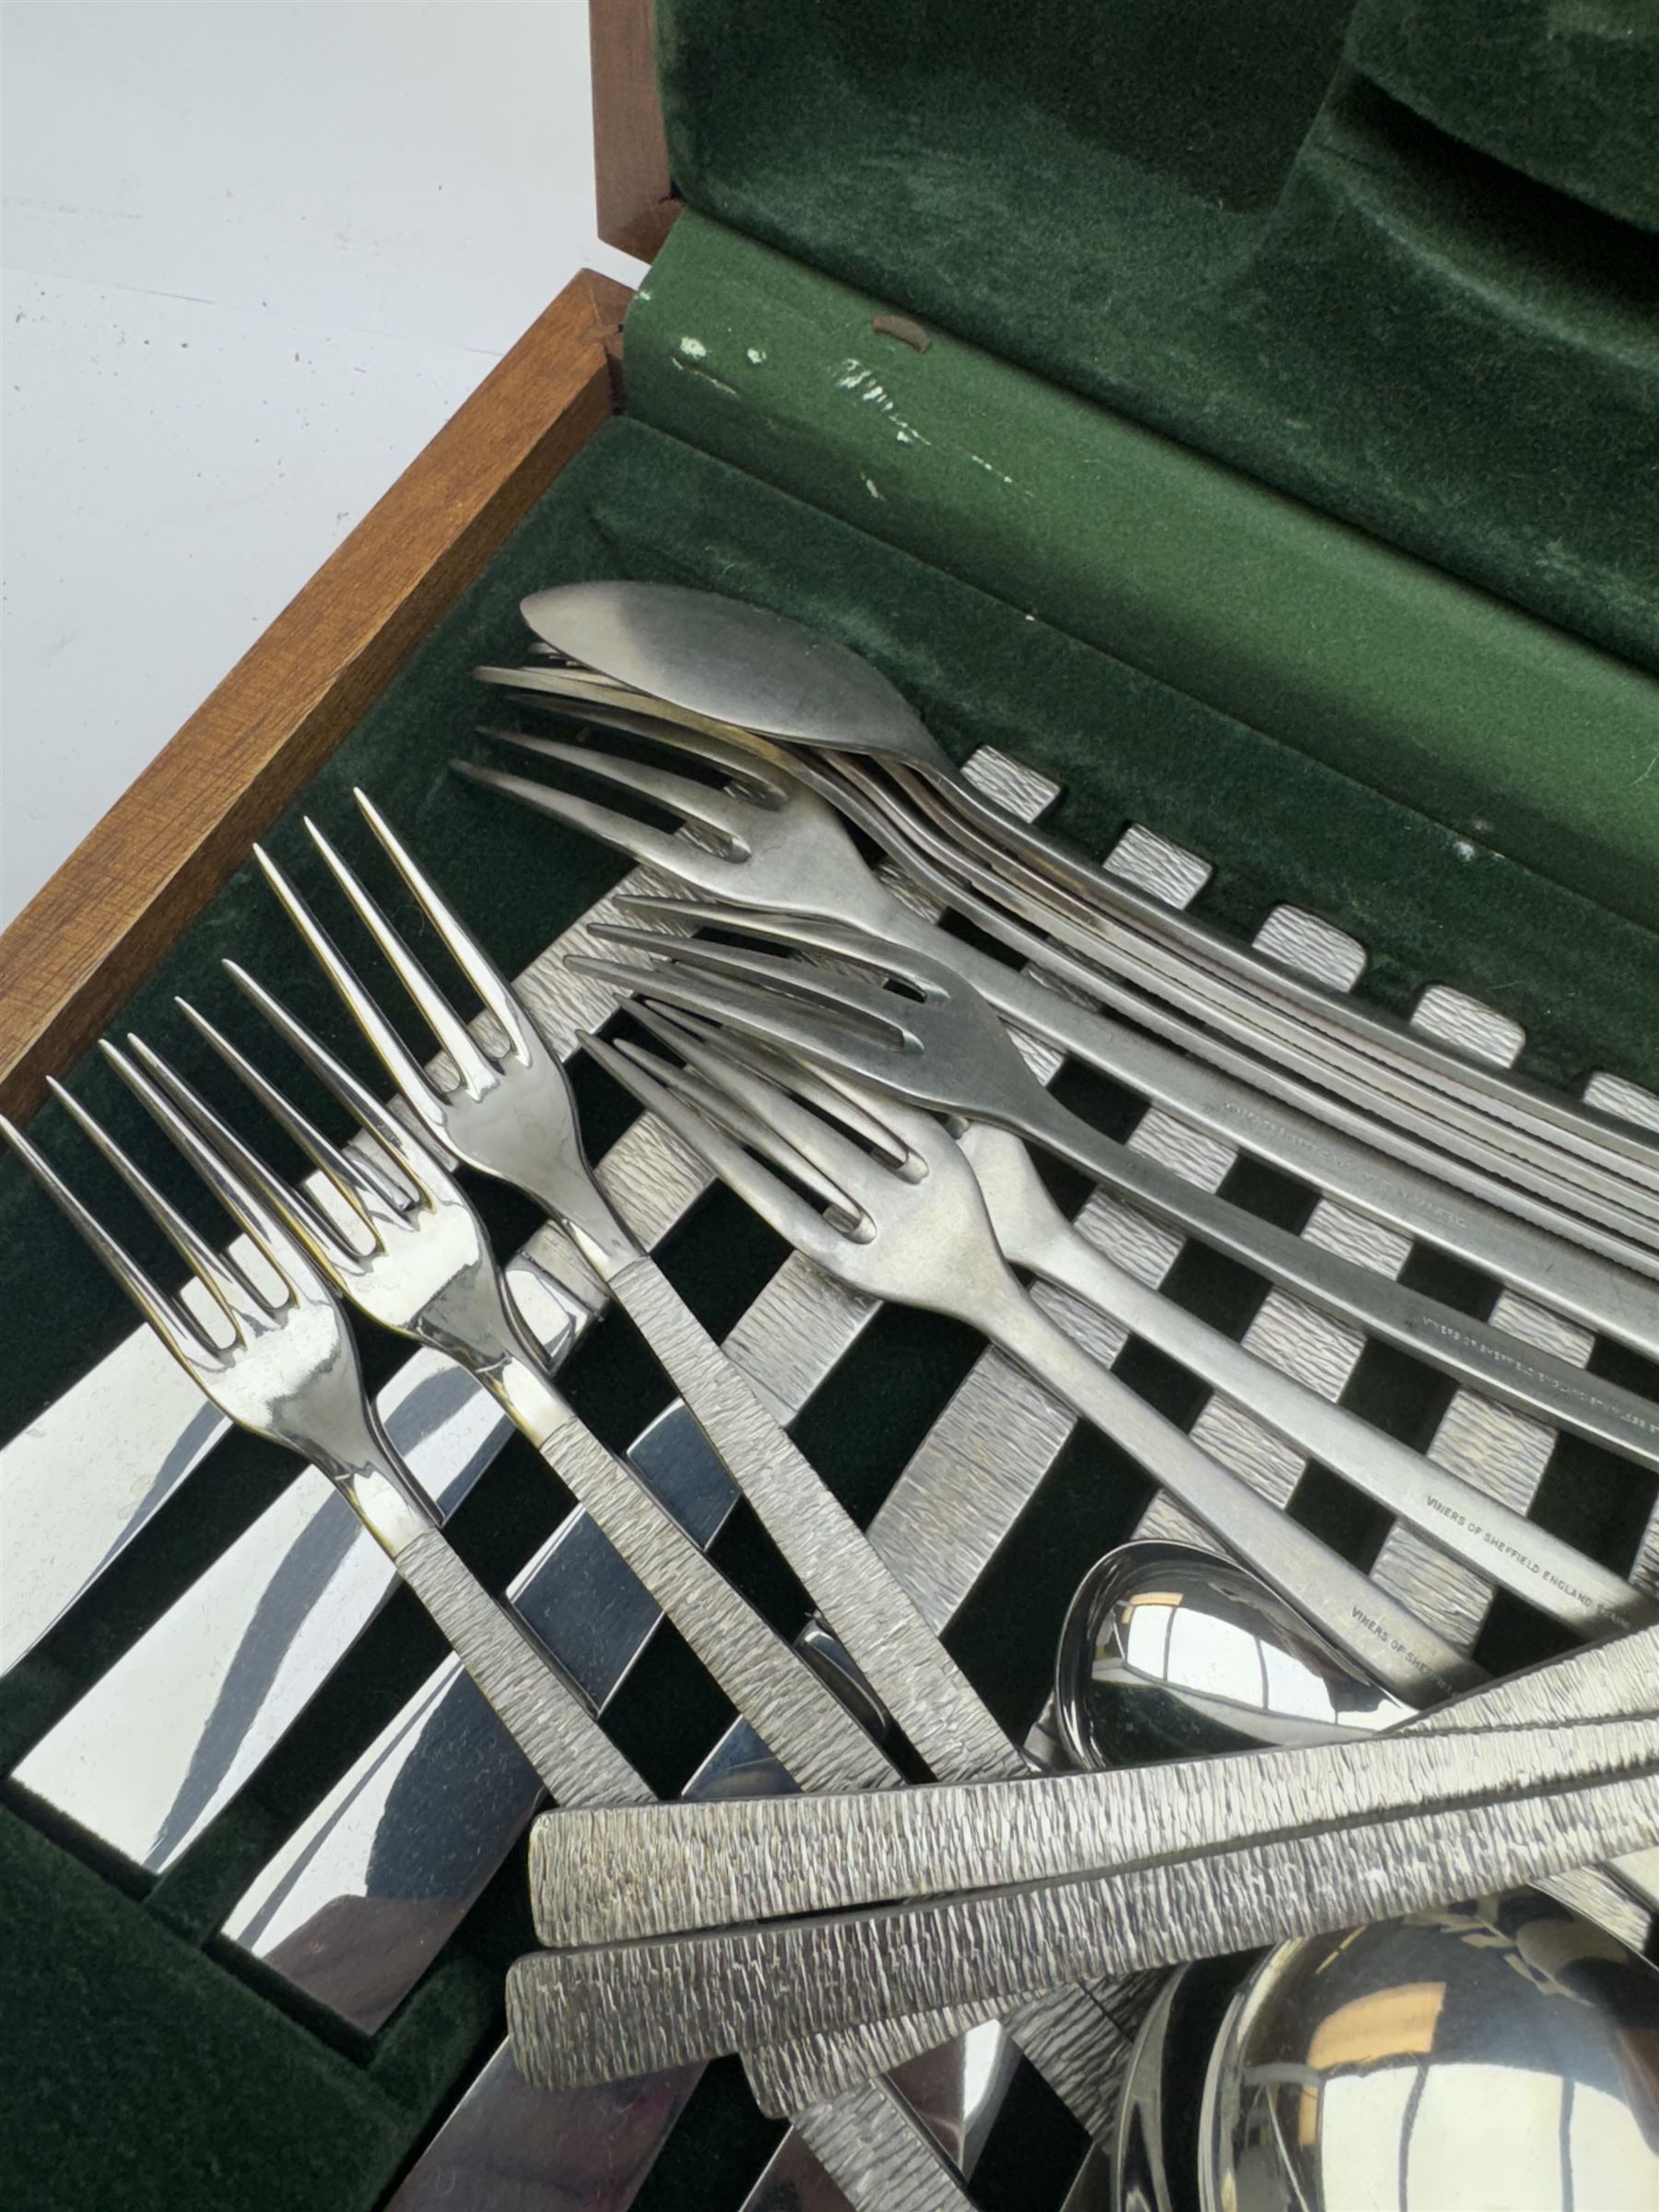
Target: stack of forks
(803, 1060)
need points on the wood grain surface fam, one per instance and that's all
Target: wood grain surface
(633, 190)
(131, 887)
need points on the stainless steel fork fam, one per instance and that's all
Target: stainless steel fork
(288, 1370)
(1569, 1156)
(935, 1042)
(413, 1255)
(771, 842)
(1515, 1127)
(510, 1114)
(810, 688)
(918, 1232)
(1456, 1514)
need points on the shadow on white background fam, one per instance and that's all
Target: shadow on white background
(255, 257)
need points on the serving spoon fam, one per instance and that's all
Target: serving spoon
(1168, 1652)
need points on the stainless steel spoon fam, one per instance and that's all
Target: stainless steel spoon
(1171, 1652)
(1168, 1652)
(1502, 2053)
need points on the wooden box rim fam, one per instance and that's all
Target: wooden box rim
(83, 944)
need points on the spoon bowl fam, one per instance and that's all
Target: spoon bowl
(1168, 1652)
(1498, 2056)
(733, 663)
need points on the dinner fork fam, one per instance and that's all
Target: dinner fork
(1455, 1513)
(768, 841)
(919, 1233)
(416, 1258)
(1487, 1112)
(828, 705)
(939, 825)
(906, 1022)
(289, 1371)
(1572, 1156)
(510, 1114)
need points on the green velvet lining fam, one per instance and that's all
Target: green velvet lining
(220, 2091)
(1194, 215)
(1569, 97)
(1513, 735)
(124, 2047)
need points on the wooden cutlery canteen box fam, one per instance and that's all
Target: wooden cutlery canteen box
(1247, 417)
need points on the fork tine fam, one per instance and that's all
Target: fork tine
(256, 1219)
(364, 1188)
(293, 1205)
(175, 1327)
(639, 840)
(219, 1275)
(441, 1018)
(399, 1062)
(406, 1151)
(357, 1176)
(801, 1076)
(782, 1208)
(812, 933)
(551, 678)
(801, 980)
(464, 948)
(747, 758)
(716, 810)
(832, 1152)
(722, 1107)
(758, 1014)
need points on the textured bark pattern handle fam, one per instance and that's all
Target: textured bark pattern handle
(876, 1620)
(861, 1598)
(566, 1745)
(616, 1876)
(797, 1716)
(797, 1986)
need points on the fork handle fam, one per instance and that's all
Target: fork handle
(1454, 1513)
(1392, 1644)
(791, 1708)
(859, 1595)
(1326, 1145)
(575, 1760)
(1212, 952)
(878, 1622)
(1472, 1351)
(863, 2139)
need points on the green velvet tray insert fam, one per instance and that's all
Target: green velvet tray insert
(160, 2074)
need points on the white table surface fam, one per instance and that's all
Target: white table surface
(255, 257)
